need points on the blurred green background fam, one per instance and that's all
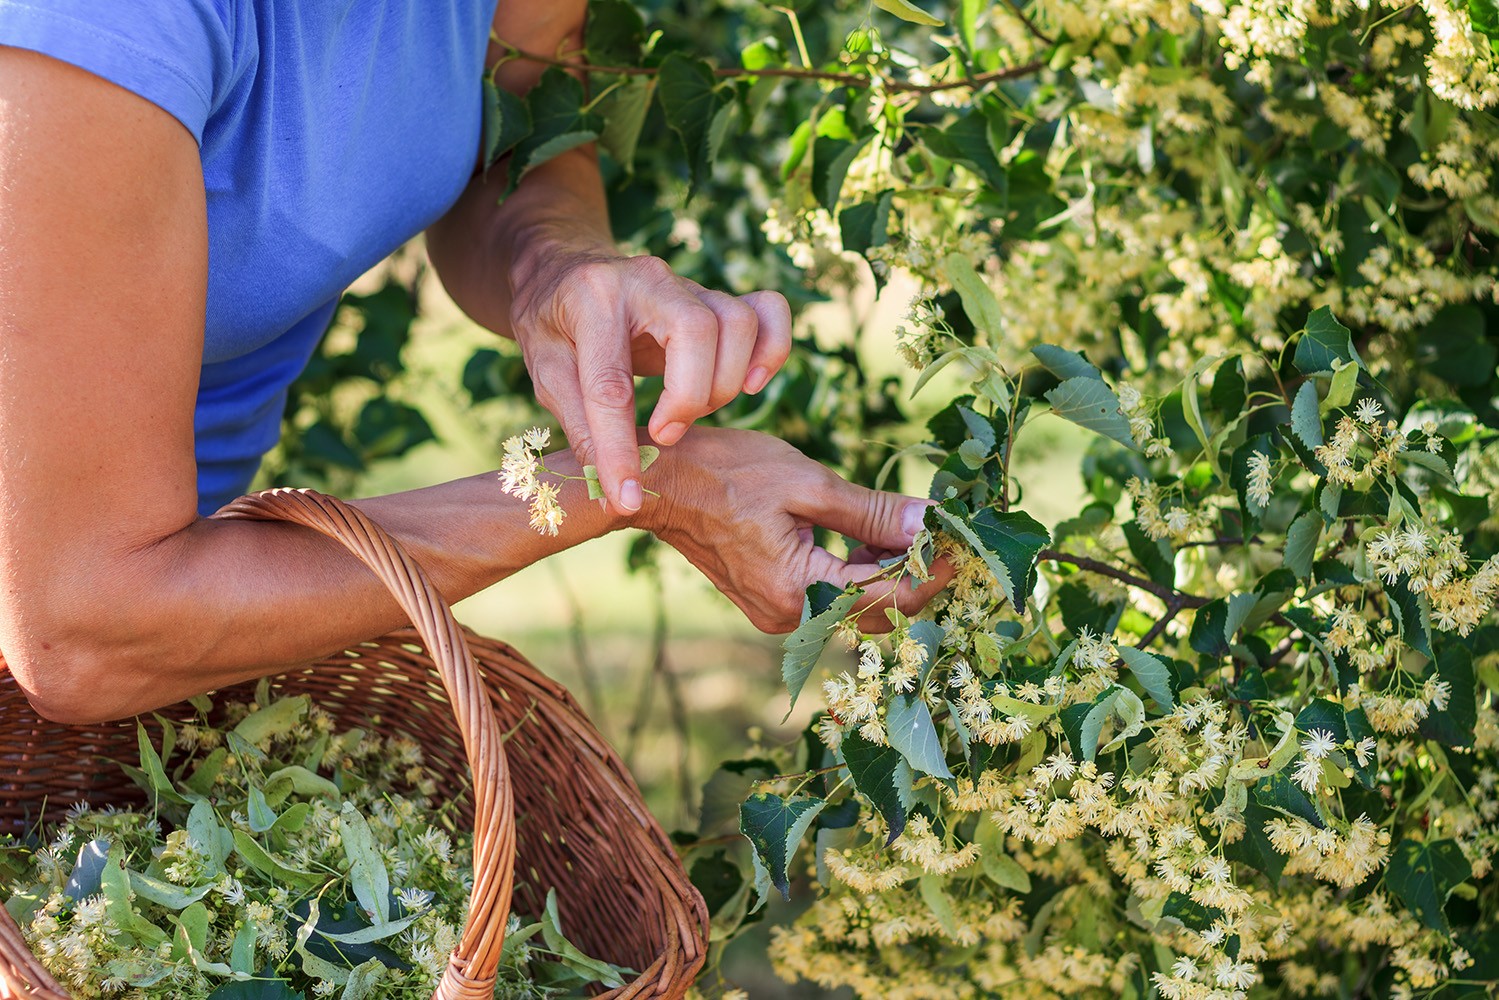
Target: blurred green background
(668, 669)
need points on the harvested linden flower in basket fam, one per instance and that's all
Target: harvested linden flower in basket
(280, 859)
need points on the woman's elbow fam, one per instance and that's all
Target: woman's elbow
(74, 681)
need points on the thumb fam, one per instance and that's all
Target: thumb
(876, 517)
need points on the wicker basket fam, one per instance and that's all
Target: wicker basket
(563, 812)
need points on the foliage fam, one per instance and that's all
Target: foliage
(1231, 730)
(282, 859)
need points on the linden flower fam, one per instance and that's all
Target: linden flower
(1308, 774)
(1260, 479)
(1318, 744)
(1368, 411)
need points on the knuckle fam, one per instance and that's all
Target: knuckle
(593, 279)
(696, 323)
(740, 321)
(611, 386)
(651, 268)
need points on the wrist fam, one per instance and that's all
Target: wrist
(530, 249)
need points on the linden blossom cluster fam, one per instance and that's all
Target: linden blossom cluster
(520, 477)
(1226, 822)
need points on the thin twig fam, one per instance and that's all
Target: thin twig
(1172, 610)
(846, 79)
(800, 774)
(1030, 25)
(1166, 594)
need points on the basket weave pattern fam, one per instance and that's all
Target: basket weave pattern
(550, 803)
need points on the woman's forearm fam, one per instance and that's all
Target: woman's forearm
(483, 248)
(223, 601)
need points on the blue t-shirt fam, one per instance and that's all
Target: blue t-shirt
(331, 131)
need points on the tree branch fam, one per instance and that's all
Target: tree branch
(846, 79)
(1172, 598)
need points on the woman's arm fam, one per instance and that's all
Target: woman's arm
(542, 267)
(115, 597)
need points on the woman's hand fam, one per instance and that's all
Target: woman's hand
(588, 320)
(741, 507)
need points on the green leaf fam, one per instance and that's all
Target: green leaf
(975, 140)
(1323, 714)
(883, 777)
(907, 11)
(173, 897)
(258, 858)
(372, 933)
(160, 785)
(865, 225)
(998, 866)
(273, 721)
(1423, 874)
(88, 870)
(1090, 403)
(774, 827)
(614, 33)
(1454, 346)
(804, 646)
(1278, 792)
(912, 732)
(1301, 543)
(368, 877)
(208, 837)
(1412, 614)
(979, 301)
(1453, 726)
(1154, 676)
(1192, 914)
(1065, 364)
(1083, 724)
(1324, 341)
(588, 969)
(262, 817)
(558, 123)
(831, 158)
(266, 987)
(507, 121)
(1306, 418)
(1153, 554)
(1485, 17)
(1344, 382)
(933, 891)
(1015, 539)
(242, 950)
(363, 980)
(691, 99)
(624, 110)
(1254, 848)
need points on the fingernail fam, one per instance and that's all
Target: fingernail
(669, 435)
(912, 518)
(630, 495)
(756, 380)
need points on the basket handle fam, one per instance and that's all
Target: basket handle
(470, 974)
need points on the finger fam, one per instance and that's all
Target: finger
(773, 340)
(607, 387)
(555, 376)
(904, 593)
(878, 518)
(687, 331)
(738, 334)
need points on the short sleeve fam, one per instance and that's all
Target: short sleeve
(173, 53)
